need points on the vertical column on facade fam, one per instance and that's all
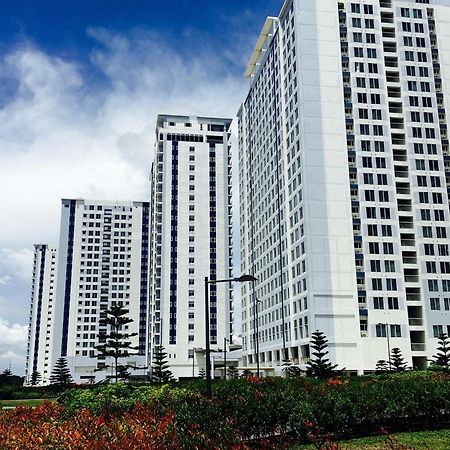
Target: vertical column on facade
(439, 96)
(353, 171)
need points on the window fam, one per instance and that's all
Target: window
(376, 114)
(371, 213)
(429, 248)
(360, 82)
(375, 266)
(378, 303)
(363, 114)
(409, 56)
(373, 68)
(385, 213)
(393, 303)
(438, 330)
(382, 179)
(413, 101)
(358, 52)
(371, 52)
(357, 37)
(368, 178)
(369, 23)
(389, 266)
(395, 330)
(355, 8)
(377, 284)
(383, 196)
(430, 266)
(380, 330)
(391, 284)
(435, 304)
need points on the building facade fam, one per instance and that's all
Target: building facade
(190, 238)
(103, 260)
(41, 319)
(344, 181)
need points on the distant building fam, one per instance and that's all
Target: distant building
(190, 238)
(344, 181)
(103, 259)
(41, 319)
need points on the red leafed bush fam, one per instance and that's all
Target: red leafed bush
(48, 427)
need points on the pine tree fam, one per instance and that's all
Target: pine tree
(202, 373)
(36, 378)
(397, 361)
(160, 367)
(115, 343)
(232, 372)
(246, 373)
(442, 357)
(382, 366)
(60, 375)
(320, 366)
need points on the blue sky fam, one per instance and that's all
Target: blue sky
(80, 86)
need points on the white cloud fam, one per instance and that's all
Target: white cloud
(4, 280)
(60, 136)
(15, 262)
(64, 136)
(13, 339)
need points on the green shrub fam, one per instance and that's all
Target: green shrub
(253, 408)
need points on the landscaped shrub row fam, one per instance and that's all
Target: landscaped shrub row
(240, 410)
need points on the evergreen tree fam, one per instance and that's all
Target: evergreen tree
(397, 361)
(60, 375)
(293, 372)
(115, 343)
(382, 366)
(320, 365)
(202, 373)
(36, 378)
(246, 373)
(232, 372)
(442, 357)
(7, 378)
(160, 367)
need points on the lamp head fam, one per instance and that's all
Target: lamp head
(244, 278)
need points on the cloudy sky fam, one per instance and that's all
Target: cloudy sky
(81, 83)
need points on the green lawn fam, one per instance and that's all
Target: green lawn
(26, 402)
(421, 440)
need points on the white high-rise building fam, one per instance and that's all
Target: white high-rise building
(41, 320)
(344, 180)
(190, 238)
(103, 259)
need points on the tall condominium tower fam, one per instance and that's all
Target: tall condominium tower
(190, 238)
(41, 320)
(344, 160)
(103, 260)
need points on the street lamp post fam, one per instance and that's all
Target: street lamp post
(241, 279)
(388, 343)
(388, 346)
(256, 302)
(225, 340)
